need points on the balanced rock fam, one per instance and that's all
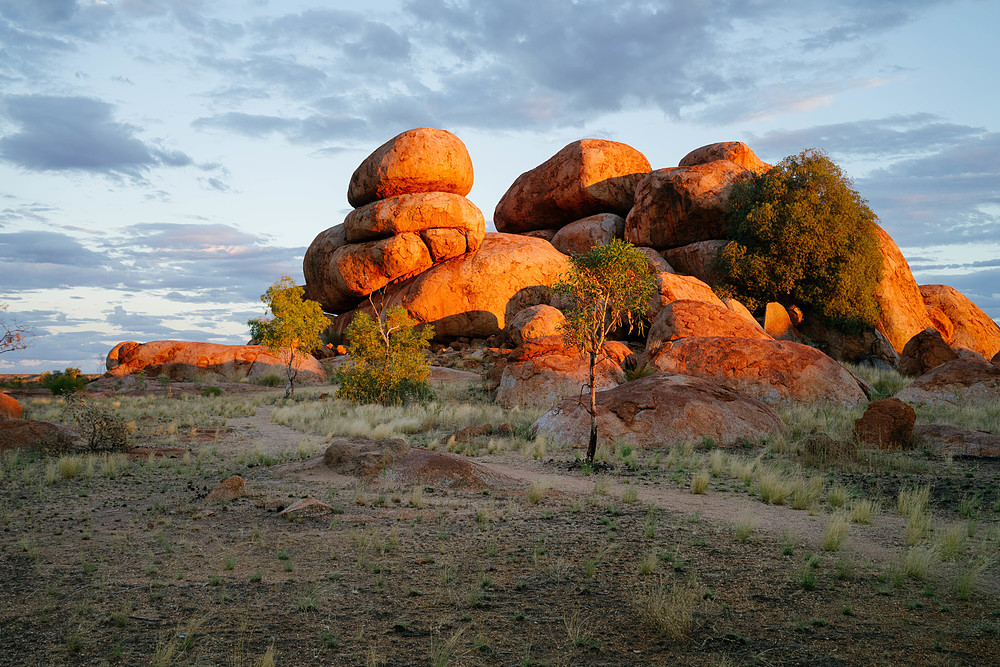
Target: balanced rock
(40, 436)
(886, 424)
(923, 352)
(681, 205)
(420, 160)
(583, 235)
(903, 312)
(9, 407)
(586, 177)
(698, 259)
(972, 328)
(771, 370)
(660, 410)
(186, 361)
(943, 438)
(534, 322)
(475, 294)
(420, 212)
(685, 318)
(958, 382)
(543, 371)
(734, 151)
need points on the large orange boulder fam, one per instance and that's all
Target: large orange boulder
(475, 294)
(544, 371)
(188, 361)
(582, 235)
(586, 177)
(358, 269)
(684, 319)
(420, 160)
(675, 287)
(972, 328)
(734, 151)
(957, 382)
(9, 407)
(698, 259)
(681, 205)
(737, 307)
(324, 282)
(662, 410)
(923, 352)
(771, 370)
(419, 212)
(903, 312)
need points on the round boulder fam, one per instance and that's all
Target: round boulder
(415, 213)
(886, 424)
(534, 322)
(698, 259)
(681, 205)
(734, 151)
(684, 318)
(420, 160)
(923, 352)
(972, 328)
(586, 177)
(9, 407)
(661, 410)
(955, 383)
(583, 235)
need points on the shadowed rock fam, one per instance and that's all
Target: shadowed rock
(886, 424)
(942, 438)
(955, 383)
(698, 259)
(40, 436)
(923, 352)
(583, 235)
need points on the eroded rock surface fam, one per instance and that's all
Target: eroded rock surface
(903, 312)
(583, 235)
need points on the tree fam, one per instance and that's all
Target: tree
(605, 288)
(387, 364)
(295, 324)
(12, 335)
(802, 235)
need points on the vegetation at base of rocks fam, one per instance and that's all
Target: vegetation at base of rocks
(388, 365)
(104, 430)
(605, 289)
(295, 324)
(64, 382)
(802, 235)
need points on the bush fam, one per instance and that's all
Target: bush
(387, 359)
(216, 391)
(802, 235)
(105, 431)
(271, 380)
(64, 382)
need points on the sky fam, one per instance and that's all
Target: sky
(162, 162)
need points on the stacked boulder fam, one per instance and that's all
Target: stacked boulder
(410, 214)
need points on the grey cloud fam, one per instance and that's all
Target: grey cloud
(34, 212)
(78, 133)
(39, 247)
(314, 128)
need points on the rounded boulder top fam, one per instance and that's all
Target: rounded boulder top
(419, 160)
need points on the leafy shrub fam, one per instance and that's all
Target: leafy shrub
(802, 235)
(64, 382)
(216, 391)
(387, 359)
(271, 380)
(105, 431)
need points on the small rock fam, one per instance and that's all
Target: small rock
(306, 508)
(886, 424)
(231, 489)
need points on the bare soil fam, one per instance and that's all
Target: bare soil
(138, 569)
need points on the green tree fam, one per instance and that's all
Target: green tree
(387, 364)
(295, 324)
(64, 382)
(605, 289)
(802, 235)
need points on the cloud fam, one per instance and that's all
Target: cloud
(78, 134)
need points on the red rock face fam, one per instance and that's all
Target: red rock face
(697, 259)
(903, 311)
(955, 383)
(734, 151)
(941, 322)
(544, 371)
(414, 213)
(923, 352)
(583, 235)
(684, 319)
(681, 205)
(662, 410)
(586, 177)
(9, 407)
(675, 287)
(886, 424)
(182, 360)
(474, 295)
(420, 160)
(771, 370)
(972, 327)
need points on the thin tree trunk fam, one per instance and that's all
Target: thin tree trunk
(289, 385)
(592, 447)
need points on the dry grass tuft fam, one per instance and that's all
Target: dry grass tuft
(669, 612)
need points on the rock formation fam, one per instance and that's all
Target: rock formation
(956, 383)
(971, 327)
(534, 322)
(586, 177)
(923, 352)
(662, 410)
(685, 318)
(698, 259)
(181, 360)
(903, 311)
(734, 151)
(583, 235)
